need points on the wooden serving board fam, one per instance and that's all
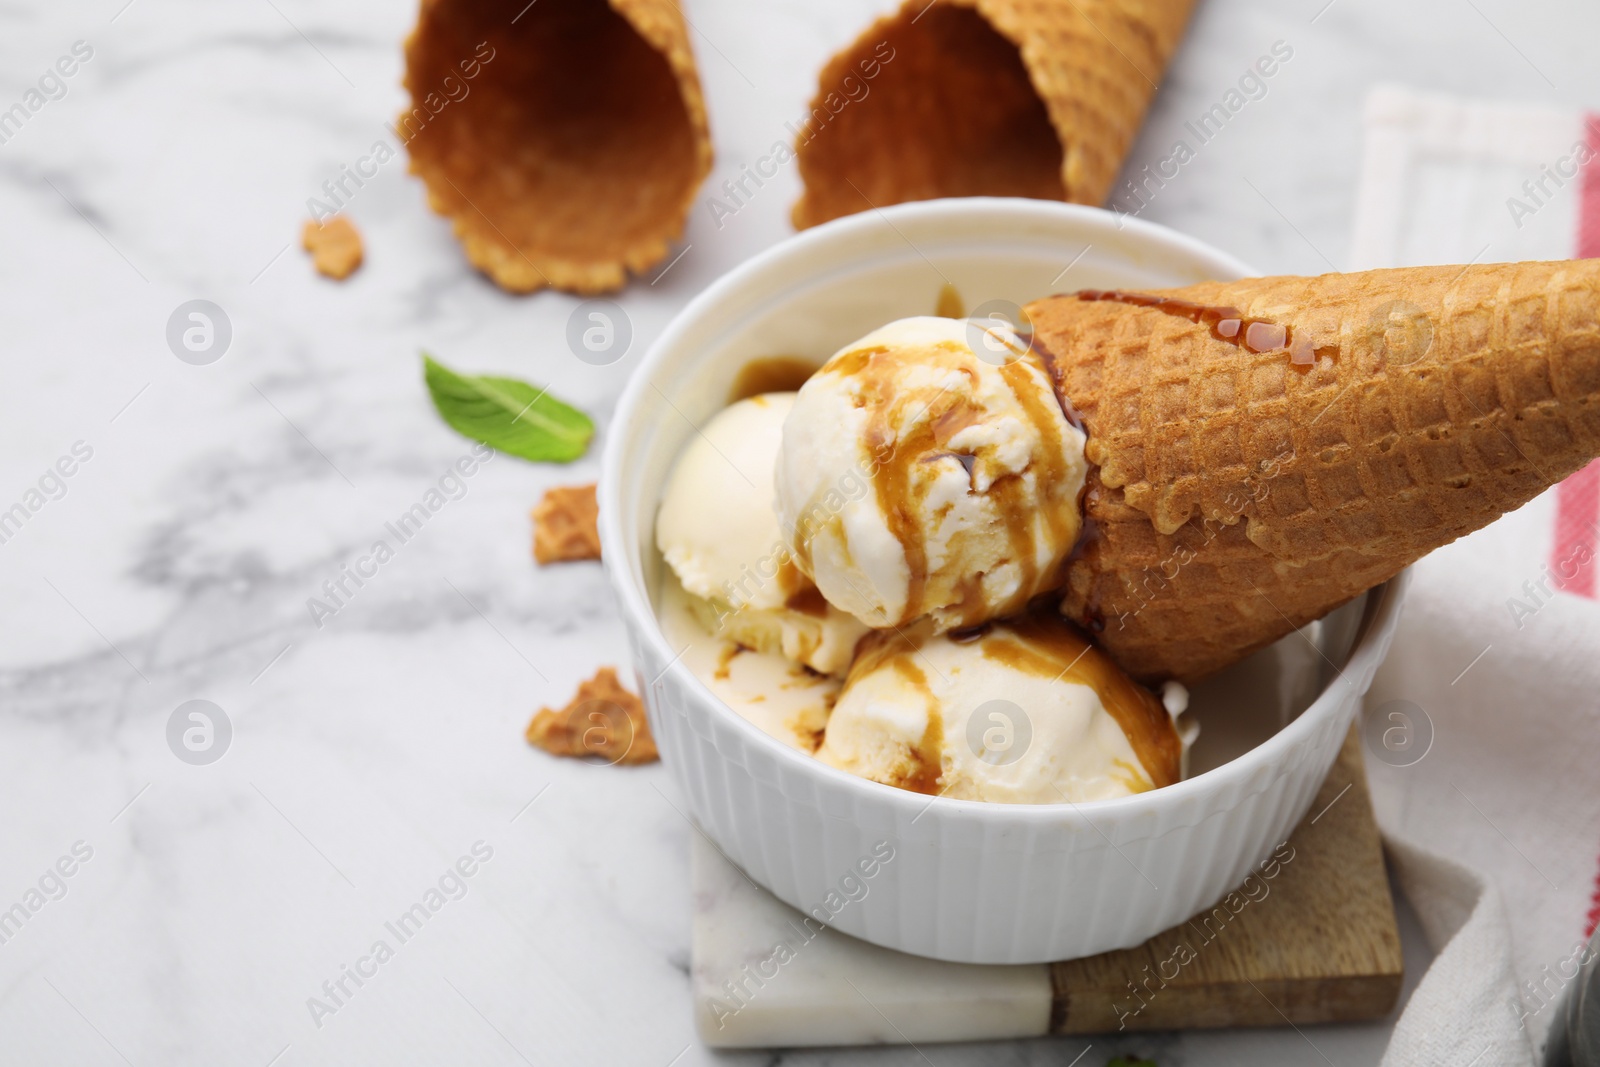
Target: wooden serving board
(1316, 943)
(1310, 938)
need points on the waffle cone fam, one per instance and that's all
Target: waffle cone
(1234, 498)
(1035, 98)
(572, 156)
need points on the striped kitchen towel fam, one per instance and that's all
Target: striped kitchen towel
(1492, 814)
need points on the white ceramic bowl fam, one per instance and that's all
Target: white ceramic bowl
(972, 882)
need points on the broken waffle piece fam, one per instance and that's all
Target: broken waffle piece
(564, 527)
(603, 720)
(335, 246)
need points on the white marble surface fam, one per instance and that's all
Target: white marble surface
(370, 754)
(762, 972)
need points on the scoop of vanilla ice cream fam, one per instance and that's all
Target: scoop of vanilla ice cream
(1025, 712)
(778, 695)
(719, 533)
(917, 478)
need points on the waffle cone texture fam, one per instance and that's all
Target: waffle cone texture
(1033, 98)
(1234, 497)
(572, 155)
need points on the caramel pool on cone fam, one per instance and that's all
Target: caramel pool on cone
(1235, 494)
(1034, 98)
(571, 155)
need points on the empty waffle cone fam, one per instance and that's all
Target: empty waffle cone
(564, 139)
(1236, 495)
(1035, 98)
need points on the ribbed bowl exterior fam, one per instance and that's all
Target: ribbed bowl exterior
(968, 882)
(991, 883)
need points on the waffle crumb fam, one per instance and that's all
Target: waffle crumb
(602, 720)
(564, 527)
(335, 246)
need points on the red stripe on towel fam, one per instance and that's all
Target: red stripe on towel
(1594, 909)
(1572, 551)
(1578, 498)
(1589, 193)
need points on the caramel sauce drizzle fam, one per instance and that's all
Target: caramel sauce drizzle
(969, 463)
(1051, 364)
(1088, 529)
(771, 374)
(897, 650)
(949, 305)
(725, 660)
(807, 600)
(971, 633)
(1226, 323)
(928, 767)
(901, 490)
(1042, 643)
(899, 494)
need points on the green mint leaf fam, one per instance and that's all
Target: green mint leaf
(508, 415)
